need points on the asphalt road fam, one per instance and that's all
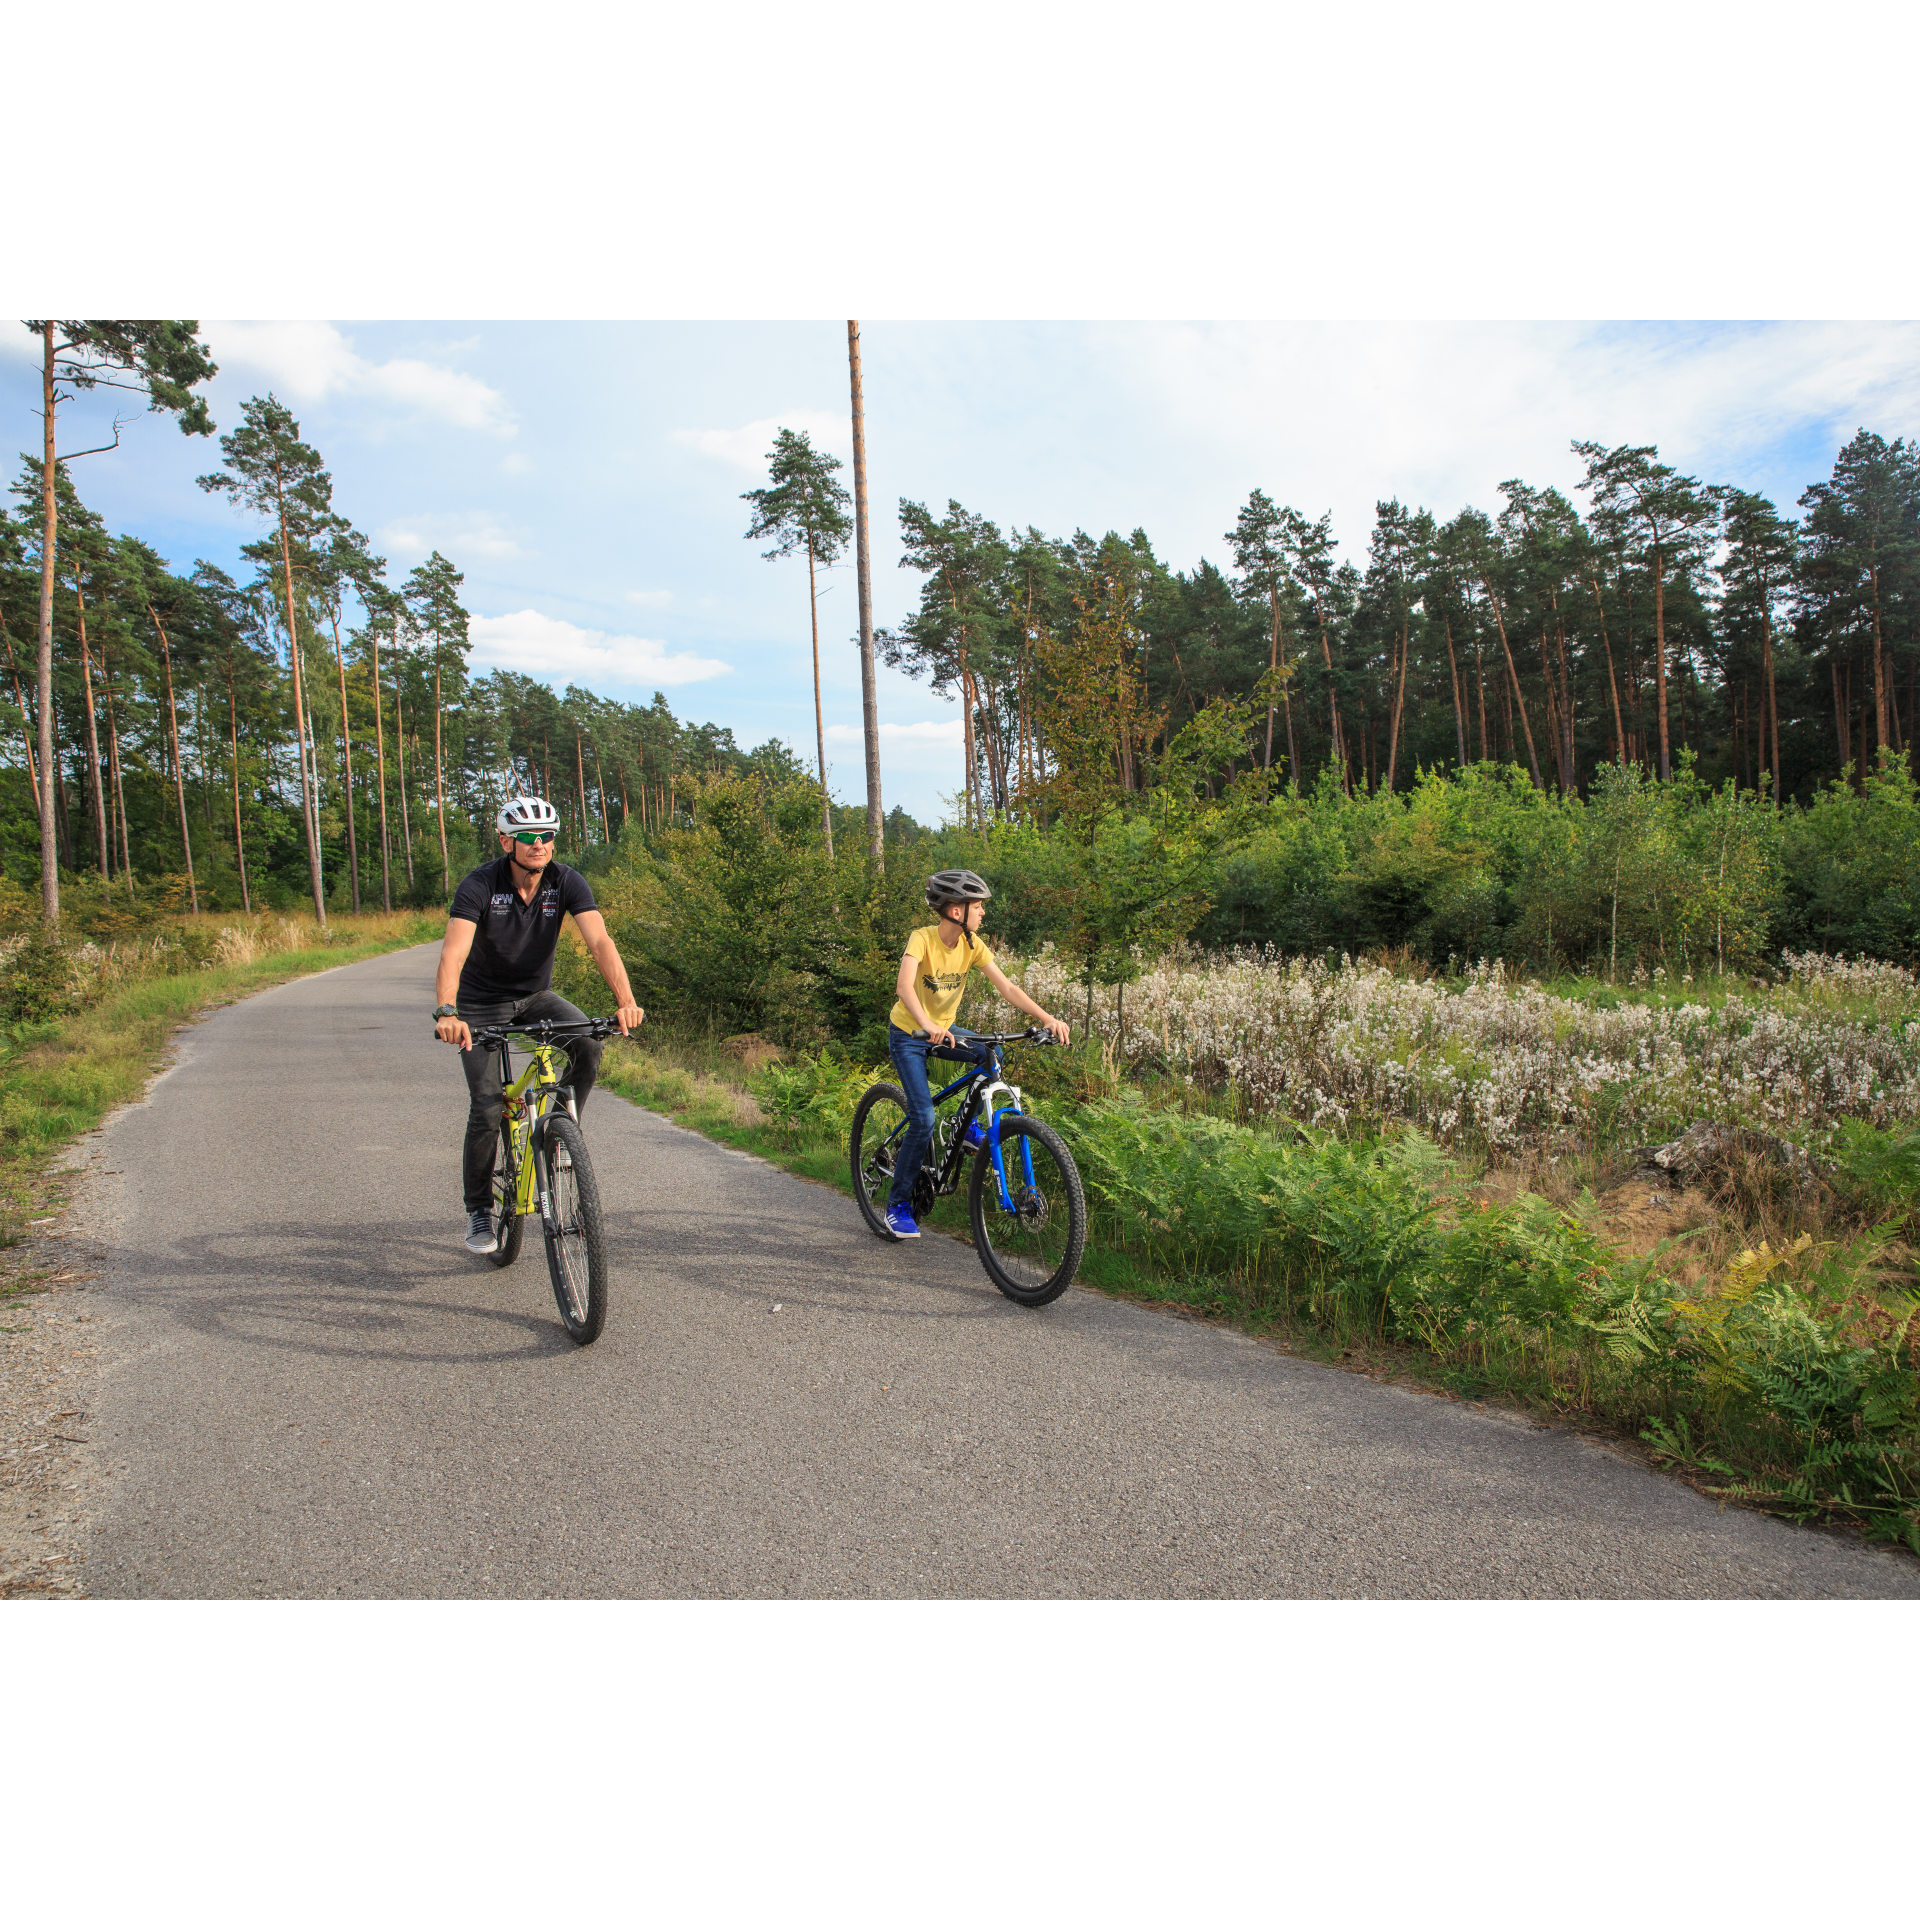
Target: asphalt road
(310, 1388)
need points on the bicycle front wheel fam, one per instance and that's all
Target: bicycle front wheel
(879, 1124)
(508, 1221)
(1031, 1249)
(576, 1245)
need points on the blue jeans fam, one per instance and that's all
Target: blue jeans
(910, 1055)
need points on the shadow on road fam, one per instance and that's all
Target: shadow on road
(370, 1290)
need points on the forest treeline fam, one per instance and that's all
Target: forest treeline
(1659, 612)
(311, 733)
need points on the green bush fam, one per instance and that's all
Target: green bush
(38, 983)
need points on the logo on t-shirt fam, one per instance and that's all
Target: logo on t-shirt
(502, 901)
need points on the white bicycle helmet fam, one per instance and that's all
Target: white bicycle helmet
(525, 813)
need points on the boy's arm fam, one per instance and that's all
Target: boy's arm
(1019, 997)
(907, 986)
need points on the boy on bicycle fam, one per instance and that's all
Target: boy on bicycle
(502, 930)
(933, 977)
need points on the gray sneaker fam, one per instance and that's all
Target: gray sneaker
(480, 1237)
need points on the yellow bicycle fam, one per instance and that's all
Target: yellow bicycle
(543, 1169)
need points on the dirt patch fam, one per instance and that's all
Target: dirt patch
(49, 1355)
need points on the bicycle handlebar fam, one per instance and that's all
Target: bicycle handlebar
(1034, 1036)
(599, 1028)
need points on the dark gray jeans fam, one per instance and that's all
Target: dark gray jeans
(486, 1089)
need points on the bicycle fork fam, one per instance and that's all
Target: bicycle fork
(994, 1117)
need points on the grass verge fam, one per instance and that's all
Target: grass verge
(1784, 1379)
(61, 1078)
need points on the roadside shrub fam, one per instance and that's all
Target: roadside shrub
(39, 982)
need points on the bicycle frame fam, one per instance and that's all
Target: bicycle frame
(985, 1079)
(528, 1101)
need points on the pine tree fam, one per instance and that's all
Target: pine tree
(279, 476)
(1671, 520)
(162, 361)
(803, 506)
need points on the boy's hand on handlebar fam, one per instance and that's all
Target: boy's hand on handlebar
(940, 1036)
(629, 1018)
(1062, 1033)
(455, 1032)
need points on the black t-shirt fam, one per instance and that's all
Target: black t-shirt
(512, 954)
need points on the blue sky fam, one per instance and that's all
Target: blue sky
(586, 476)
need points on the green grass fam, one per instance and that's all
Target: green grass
(1792, 1369)
(60, 1079)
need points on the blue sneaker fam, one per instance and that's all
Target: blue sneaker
(901, 1223)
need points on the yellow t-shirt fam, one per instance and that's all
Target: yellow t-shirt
(939, 975)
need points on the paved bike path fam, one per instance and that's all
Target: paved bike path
(311, 1388)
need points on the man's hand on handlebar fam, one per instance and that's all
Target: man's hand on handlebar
(455, 1032)
(629, 1018)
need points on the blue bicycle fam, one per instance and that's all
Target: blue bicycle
(1025, 1201)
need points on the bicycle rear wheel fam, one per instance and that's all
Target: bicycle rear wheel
(576, 1246)
(879, 1122)
(1032, 1251)
(509, 1223)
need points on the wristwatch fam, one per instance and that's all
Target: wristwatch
(448, 1012)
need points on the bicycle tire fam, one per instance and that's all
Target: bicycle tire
(576, 1243)
(509, 1223)
(1032, 1254)
(871, 1163)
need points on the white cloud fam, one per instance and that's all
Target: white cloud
(746, 447)
(516, 463)
(312, 360)
(1340, 416)
(650, 597)
(894, 733)
(458, 535)
(548, 649)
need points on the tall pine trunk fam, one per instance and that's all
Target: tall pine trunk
(1771, 710)
(26, 719)
(1526, 726)
(93, 732)
(346, 761)
(580, 773)
(819, 712)
(380, 751)
(179, 772)
(1660, 652)
(1453, 674)
(239, 837)
(1399, 705)
(113, 760)
(400, 747)
(49, 532)
(869, 696)
(440, 775)
(309, 814)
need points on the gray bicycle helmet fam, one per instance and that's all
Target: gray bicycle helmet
(956, 887)
(527, 813)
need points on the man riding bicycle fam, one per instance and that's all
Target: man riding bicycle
(932, 981)
(496, 966)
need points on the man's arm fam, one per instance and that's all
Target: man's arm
(606, 956)
(446, 982)
(1019, 997)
